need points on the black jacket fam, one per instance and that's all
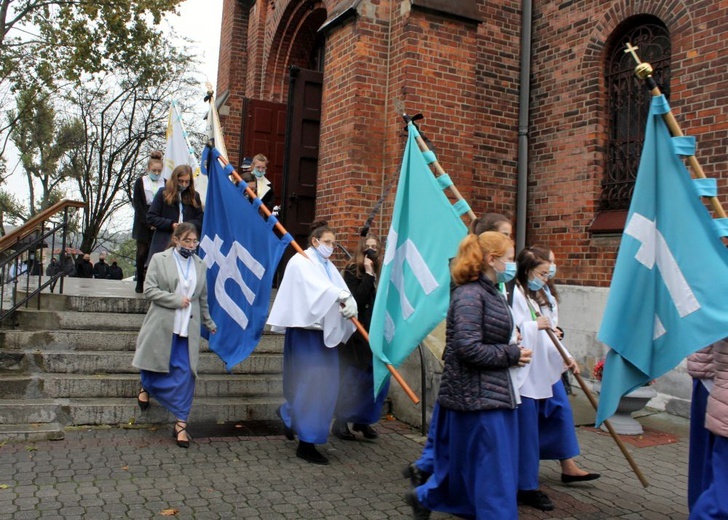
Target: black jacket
(477, 351)
(356, 351)
(162, 215)
(101, 269)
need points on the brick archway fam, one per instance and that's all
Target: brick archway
(296, 33)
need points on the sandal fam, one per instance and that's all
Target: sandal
(176, 432)
(143, 405)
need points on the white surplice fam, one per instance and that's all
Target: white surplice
(308, 298)
(546, 365)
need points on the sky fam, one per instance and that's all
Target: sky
(198, 20)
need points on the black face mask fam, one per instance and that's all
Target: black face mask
(185, 252)
(371, 254)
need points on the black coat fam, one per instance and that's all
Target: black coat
(101, 270)
(141, 230)
(477, 350)
(161, 216)
(356, 351)
(115, 272)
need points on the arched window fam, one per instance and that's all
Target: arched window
(628, 105)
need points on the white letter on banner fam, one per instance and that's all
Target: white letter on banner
(408, 251)
(229, 271)
(654, 250)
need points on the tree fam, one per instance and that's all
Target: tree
(49, 43)
(47, 145)
(123, 120)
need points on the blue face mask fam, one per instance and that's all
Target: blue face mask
(552, 271)
(536, 284)
(154, 176)
(508, 274)
(258, 173)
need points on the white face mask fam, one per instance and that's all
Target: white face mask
(324, 250)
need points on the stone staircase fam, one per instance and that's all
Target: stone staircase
(69, 363)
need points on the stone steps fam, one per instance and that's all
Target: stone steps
(69, 363)
(127, 385)
(32, 432)
(99, 339)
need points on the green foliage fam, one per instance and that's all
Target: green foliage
(47, 145)
(68, 38)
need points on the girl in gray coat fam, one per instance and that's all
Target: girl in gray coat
(167, 350)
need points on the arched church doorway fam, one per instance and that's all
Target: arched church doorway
(284, 124)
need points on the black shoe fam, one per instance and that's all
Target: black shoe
(176, 432)
(416, 476)
(341, 430)
(288, 432)
(309, 453)
(536, 499)
(143, 405)
(568, 479)
(366, 430)
(419, 512)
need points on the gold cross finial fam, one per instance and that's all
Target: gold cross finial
(632, 50)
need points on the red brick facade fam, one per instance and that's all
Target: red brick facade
(464, 76)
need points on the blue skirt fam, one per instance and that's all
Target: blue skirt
(700, 470)
(173, 390)
(426, 462)
(712, 503)
(475, 461)
(356, 403)
(556, 430)
(310, 384)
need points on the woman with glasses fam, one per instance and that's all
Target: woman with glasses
(356, 403)
(312, 308)
(545, 420)
(168, 345)
(178, 202)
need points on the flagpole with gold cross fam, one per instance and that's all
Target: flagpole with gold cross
(644, 70)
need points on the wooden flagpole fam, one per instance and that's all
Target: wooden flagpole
(587, 392)
(279, 227)
(440, 171)
(644, 71)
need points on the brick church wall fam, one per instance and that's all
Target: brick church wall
(568, 109)
(464, 77)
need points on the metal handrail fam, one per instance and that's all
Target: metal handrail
(23, 241)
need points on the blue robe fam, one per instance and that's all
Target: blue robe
(700, 470)
(310, 384)
(173, 390)
(475, 463)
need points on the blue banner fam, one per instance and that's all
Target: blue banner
(667, 297)
(242, 253)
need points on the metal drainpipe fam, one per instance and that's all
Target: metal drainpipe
(523, 120)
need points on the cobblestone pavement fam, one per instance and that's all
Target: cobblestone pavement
(140, 473)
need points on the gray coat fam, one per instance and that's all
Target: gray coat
(153, 348)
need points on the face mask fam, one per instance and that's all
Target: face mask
(536, 284)
(154, 176)
(507, 274)
(552, 271)
(184, 252)
(184, 188)
(258, 173)
(371, 254)
(324, 250)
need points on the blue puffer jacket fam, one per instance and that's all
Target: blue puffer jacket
(477, 353)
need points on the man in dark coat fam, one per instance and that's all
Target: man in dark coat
(115, 272)
(84, 268)
(101, 268)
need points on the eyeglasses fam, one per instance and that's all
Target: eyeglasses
(543, 274)
(190, 241)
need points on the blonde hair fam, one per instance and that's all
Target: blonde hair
(172, 191)
(260, 157)
(470, 260)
